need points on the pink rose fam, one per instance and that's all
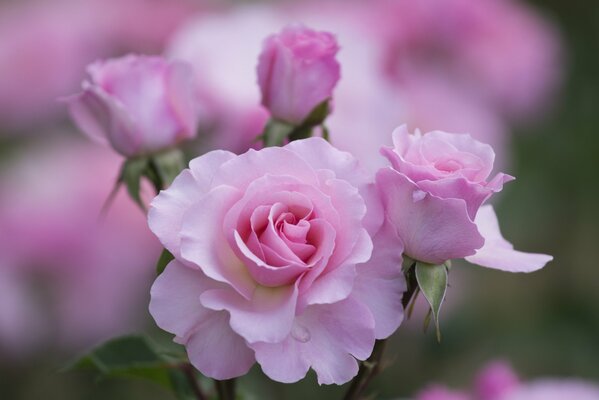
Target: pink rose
(138, 104)
(270, 250)
(297, 71)
(433, 195)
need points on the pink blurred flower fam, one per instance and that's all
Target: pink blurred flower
(496, 379)
(138, 104)
(76, 278)
(499, 52)
(43, 49)
(437, 392)
(270, 249)
(45, 46)
(433, 194)
(297, 70)
(554, 389)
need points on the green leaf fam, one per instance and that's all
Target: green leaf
(276, 132)
(325, 133)
(166, 166)
(432, 281)
(318, 114)
(130, 356)
(131, 173)
(165, 258)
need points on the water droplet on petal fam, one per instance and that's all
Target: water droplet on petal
(418, 195)
(300, 333)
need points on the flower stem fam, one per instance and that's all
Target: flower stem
(225, 389)
(370, 368)
(188, 370)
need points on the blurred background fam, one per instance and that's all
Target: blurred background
(521, 75)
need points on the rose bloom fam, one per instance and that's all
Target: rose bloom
(297, 71)
(274, 263)
(138, 104)
(433, 194)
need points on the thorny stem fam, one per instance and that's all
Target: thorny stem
(370, 368)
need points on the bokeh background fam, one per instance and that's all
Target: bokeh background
(521, 75)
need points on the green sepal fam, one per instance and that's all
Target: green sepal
(277, 132)
(131, 173)
(167, 165)
(137, 357)
(165, 258)
(432, 281)
(318, 114)
(159, 168)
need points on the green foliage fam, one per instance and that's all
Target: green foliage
(137, 357)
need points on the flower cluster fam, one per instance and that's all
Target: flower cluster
(292, 256)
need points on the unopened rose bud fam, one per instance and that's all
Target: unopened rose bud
(138, 104)
(297, 71)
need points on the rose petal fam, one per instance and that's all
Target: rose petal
(498, 253)
(204, 243)
(474, 194)
(380, 283)
(248, 167)
(432, 229)
(165, 216)
(325, 337)
(175, 298)
(218, 352)
(267, 317)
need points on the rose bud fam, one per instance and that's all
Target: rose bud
(138, 104)
(297, 72)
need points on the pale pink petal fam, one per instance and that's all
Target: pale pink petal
(246, 168)
(330, 287)
(380, 283)
(175, 298)
(165, 216)
(474, 194)
(218, 352)
(328, 338)
(320, 154)
(266, 317)
(265, 274)
(180, 96)
(498, 253)
(204, 243)
(432, 229)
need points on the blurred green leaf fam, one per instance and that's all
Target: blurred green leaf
(132, 172)
(136, 357)
(166, 166)
(165, 258)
